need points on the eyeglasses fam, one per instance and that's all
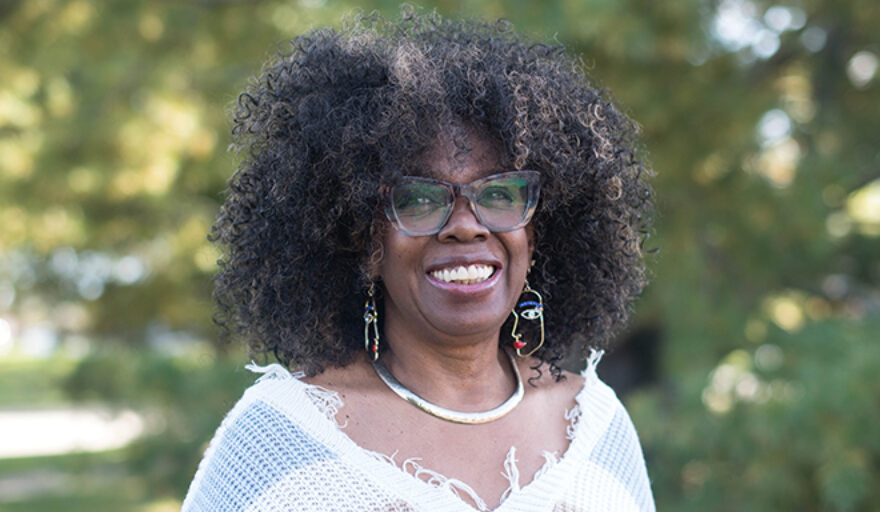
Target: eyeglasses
(501, 202)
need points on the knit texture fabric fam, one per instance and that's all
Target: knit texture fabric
(280, 449)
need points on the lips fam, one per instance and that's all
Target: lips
(471, 275)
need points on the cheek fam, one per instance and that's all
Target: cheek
(399, 255)
(519, 247)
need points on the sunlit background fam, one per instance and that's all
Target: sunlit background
(751, 366)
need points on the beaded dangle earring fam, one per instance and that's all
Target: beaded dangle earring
(371, 317)
(531, 310)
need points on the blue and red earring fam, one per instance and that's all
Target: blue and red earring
(531, 308)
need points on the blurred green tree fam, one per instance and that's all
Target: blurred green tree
(762, 120)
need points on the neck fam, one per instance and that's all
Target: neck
(461, 373)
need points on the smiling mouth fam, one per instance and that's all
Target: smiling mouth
(470, 274)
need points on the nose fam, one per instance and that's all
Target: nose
(463, 225)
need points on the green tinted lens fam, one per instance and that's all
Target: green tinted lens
(420, 207)
(502, 202)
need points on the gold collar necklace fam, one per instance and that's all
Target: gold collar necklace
(470, 418)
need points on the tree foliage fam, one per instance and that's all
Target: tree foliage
(761, 118)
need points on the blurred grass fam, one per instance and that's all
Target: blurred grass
(62, 483)
(72, 503)
(187, 394)
(32, 383)
(72, 462)
(76, 482)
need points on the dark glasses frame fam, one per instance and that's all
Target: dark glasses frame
(468, 191)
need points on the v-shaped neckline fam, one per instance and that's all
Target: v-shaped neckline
(443, 491)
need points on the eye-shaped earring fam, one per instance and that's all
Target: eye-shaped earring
(531, 309)
(371, 317)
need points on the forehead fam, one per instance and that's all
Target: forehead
(464, 155)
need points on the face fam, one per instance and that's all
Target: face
(461, 283)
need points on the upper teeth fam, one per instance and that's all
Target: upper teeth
(467, 275)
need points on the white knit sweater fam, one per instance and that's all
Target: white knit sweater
(279, 449)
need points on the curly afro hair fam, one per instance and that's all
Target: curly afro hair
(329, 122)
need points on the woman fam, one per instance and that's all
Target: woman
(384, 235)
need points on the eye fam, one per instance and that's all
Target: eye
(418, 199)
(410, 200)
(498, 196)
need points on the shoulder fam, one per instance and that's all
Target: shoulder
(604, 433)
(350, 382)
(549, 395)
(279, 401)
(278, 431)
(352, 374)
